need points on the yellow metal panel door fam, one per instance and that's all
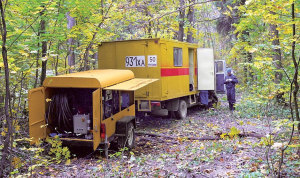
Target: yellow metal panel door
(36, 105)
(96, 117)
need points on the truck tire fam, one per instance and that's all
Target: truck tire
(130, 136)
(182, 110)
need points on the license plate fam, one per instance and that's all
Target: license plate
(135, 61)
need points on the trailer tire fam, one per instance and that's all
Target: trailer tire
(130, 136)
(182, 110)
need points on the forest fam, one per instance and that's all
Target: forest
(258, 39)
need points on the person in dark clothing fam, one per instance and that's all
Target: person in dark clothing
(230, 82)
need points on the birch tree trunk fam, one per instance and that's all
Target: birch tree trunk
(71, 43)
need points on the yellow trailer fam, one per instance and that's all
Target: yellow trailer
(86, 108)
(182, 68)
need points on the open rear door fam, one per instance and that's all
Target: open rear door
(220, 75)
(206, 74)
(96, 118)
(36, 105)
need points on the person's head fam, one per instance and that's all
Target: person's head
(229, 71)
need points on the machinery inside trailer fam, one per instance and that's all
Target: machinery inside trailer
(69, 112)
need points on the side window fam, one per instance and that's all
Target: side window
(177, 56)
(219, 66)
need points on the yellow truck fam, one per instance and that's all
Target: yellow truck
(89, 108)
(183, 70)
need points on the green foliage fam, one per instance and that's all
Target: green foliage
(107, 20)
(59, 152)
(256, 105)
(234, 132)
(119, 154)
(251, 174)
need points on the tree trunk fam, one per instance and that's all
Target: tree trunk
(191, 19)
(248, 58)
(44, 48)
(56, 62)
(296, 65)
(8, 138)
(95, 57)
(37, 62)
(89, 47)
(71, 43)
(149, 25)
(277, 52)
(181, 21)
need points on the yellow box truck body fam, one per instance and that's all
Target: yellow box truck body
(182, 68)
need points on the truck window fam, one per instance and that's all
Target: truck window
(177, 56)
(219, 66)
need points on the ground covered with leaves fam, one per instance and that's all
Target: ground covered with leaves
(176, 150)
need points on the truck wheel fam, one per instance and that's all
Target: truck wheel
(130, 136)
(182, 110)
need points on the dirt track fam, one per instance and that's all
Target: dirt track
(180, 157)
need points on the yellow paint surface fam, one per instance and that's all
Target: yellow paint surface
(39, 99)
(131, 85)
(113, 55)
(96, 117)
(37, 127)
(89, 79)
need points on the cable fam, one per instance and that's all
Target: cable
(59, 111)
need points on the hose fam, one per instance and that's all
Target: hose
(59, 112)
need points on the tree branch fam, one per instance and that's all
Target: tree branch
(183, 7)
(9, 46)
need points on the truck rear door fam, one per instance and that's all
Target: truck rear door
(206, 74)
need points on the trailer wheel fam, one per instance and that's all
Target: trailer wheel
(182, 110)
(130, 136)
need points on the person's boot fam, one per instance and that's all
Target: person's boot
(231, 106)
